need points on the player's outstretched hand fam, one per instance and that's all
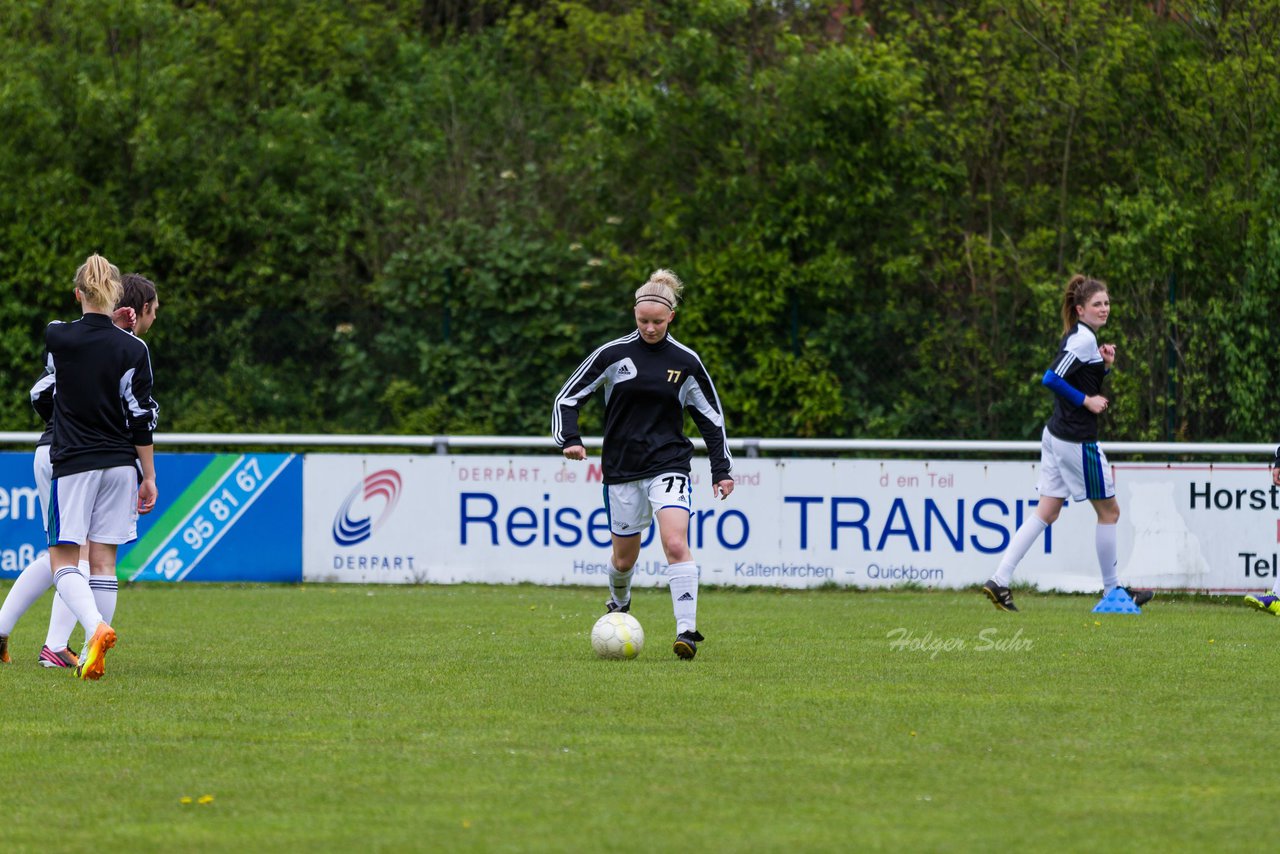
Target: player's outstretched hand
(724, 488)
(575, 452)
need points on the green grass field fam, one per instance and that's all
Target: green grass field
(472, 718)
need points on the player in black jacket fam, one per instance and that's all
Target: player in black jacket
(142, 302)
(103, 418)
(136, 312)
(1071, 463)
(649, 381)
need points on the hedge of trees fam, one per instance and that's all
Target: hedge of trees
(419, 217)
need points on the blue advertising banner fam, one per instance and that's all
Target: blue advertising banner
(21, 533)
(221, 517)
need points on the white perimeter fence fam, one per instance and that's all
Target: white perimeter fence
(806, 512)
(747, 447)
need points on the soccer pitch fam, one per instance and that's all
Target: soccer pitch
(476, 718)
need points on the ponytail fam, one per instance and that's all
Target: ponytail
(98, 281)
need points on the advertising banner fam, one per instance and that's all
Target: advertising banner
(1199, 527)
(789, 523)
(21, 532)
(220, 517)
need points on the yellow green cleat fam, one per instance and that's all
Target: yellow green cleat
(1264, 602)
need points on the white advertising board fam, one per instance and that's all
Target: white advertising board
(789, 523)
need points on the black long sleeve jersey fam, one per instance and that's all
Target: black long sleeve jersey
(101, 405)
(42, 402)
(1080, 363)
(647, 387)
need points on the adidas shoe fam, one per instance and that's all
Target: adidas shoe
(4, 648)
(91, 660)
(612, 607)
(999, 596)
(1140, 597)
(686, 645)
(1266, 603)
(62, 658)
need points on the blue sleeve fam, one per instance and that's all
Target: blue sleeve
(1062, 388)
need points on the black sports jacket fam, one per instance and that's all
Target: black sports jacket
(101, 404)
(1080, 363)
(647, 388)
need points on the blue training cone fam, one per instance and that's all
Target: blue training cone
(1116, 602)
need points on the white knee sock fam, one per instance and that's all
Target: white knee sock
(104, 594)
(61, 621)
(620, 583)
(29, 586)
(682, 578)
(1023, 539)
(1105, 540)
(74, 590)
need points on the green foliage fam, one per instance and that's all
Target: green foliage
(404, 218)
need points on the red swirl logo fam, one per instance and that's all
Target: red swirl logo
(381, 487)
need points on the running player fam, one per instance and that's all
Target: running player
(649, 380)
(1071, 463)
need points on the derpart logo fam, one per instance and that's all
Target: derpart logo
(383, 486)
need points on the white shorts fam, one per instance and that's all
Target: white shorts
(43, 470)
(631, 506)
(99, 506)
(1075, 470)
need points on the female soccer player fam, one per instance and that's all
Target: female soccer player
(1071, 463)
(135, 312)
(103, 418)
(649, 380)
(1269, 602)
(142, 302)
